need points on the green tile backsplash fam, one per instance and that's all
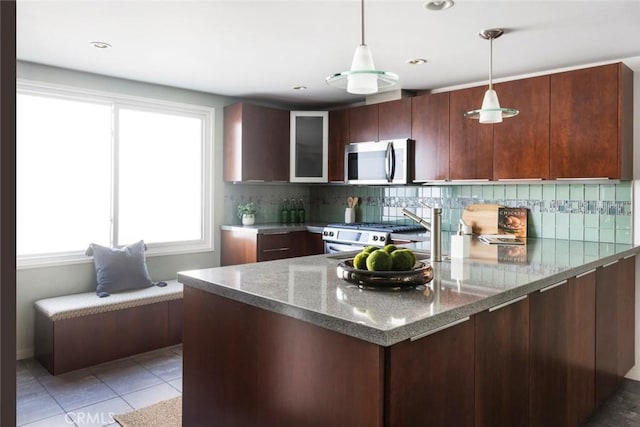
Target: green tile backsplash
(589, 212)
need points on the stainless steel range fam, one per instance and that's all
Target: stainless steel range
(356, 236)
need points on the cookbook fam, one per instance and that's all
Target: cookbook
(513, 221)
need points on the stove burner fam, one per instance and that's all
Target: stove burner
(372, 226)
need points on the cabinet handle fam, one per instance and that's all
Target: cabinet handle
(519, 179)
(471, 180)
(586, 273)
(548, 288)
(611, 263)
(337, 182)
(629, 256)
(441, 328)
(275, 250)
(583, 179)
(275, 233)
(430, 181)
(513, 301)
(254, 180)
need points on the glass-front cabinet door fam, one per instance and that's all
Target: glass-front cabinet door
(309, 146)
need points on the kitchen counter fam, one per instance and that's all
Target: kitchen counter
(308, 288)
(289, 343)
(274, 227)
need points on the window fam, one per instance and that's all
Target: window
(93, 168)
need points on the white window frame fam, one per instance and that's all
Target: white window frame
(118, 101)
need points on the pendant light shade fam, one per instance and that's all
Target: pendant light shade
(491, 112)
(363, 78)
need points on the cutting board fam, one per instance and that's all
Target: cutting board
(482, 217)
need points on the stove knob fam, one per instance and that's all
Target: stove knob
(382, 238)
(375, 238)
(331, 234)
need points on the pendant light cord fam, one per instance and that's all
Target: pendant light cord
(362, 21)
(491, 63)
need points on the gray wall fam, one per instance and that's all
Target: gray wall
(37, 283)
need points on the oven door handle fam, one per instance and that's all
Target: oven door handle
(335, 248)
(390, 162)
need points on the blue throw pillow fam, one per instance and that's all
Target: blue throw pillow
(120, 269)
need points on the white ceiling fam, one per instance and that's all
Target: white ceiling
(261, 49)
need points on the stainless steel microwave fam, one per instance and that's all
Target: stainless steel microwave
(379, 162)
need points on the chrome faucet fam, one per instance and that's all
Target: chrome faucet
(435, 228)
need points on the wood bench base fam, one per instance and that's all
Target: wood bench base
(68, 344)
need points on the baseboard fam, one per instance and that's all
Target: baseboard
(634, 373)
(24, 353)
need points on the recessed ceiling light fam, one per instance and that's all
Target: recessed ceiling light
(416, 61)
(300, 88)
(100, 45)
(439, 5)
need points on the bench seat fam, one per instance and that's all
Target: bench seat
(80, 330)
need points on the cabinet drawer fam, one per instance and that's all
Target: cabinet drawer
(275, 246)
(274, 241)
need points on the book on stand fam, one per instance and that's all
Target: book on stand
(513, 222)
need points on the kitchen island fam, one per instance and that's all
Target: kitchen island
(536, 335)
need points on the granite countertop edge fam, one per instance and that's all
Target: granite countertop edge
(404, 332)
(274, 227)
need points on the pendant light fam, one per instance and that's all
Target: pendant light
(363, 78)
(491, 112)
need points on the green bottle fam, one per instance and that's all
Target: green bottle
(284, 212)
(293, 212)
(301, 213)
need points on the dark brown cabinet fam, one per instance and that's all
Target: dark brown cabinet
(521, 143)
(242, 247)
(256, 143)
(338, 139)
(363, 123)
(428, 380)
(394, 119)
(502, 365)
(471, 143)
(379, 122)
(592, 123)
(562, 358)
(430, 132)
(532, 361)
(615, 329)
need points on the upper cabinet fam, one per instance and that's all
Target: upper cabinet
(592, 123)
(338, 138)
(394, 119)
(430, 131)
(521, 143)
(256, 143)
(471, 143)
(309, 146)
(379, 122)
(572, 125)
(363, 123)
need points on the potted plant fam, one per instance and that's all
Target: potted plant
(248, 213)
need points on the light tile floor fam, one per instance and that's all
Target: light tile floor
(91, 396)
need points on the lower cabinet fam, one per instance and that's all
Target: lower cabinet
(534, 361)
(502, 365)
(429, 381)
(243, 247)
(562, 357)
(615, 329)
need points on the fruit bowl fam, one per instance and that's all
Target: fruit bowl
(421, 274)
